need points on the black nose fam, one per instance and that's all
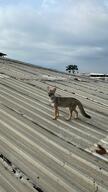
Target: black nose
(50, 94)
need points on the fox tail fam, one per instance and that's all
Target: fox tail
(83, 111)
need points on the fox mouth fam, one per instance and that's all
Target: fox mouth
(50, 94)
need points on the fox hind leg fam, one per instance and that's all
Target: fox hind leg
(76, 114)
(70, 114)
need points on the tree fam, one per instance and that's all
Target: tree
(71, 68)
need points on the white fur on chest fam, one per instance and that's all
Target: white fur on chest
(51, 103)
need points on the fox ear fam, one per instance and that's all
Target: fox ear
(49, 88)
(54, 88)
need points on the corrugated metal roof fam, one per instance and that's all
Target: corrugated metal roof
(40, 154)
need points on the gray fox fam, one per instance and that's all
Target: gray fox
(70, 102)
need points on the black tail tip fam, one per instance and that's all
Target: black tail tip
(88, 116)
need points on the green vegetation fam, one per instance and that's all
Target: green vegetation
(71, 68)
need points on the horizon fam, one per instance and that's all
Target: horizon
(59, 68)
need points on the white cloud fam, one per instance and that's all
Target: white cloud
(55, 32)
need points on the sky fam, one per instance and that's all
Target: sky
(56, 33)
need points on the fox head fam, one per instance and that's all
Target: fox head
(51, 90)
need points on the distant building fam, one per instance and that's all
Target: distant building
(2, 54)
(98, 76)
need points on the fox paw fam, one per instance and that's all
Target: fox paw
(54, 118)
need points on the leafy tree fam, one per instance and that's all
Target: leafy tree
(71, 68)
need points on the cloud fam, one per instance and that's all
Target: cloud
(56, 33)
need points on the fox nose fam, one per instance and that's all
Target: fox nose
(50, 94)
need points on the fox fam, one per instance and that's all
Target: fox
(70, 102)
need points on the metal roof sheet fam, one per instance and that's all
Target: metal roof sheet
(40, 154)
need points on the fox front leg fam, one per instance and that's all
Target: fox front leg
(56, 113)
